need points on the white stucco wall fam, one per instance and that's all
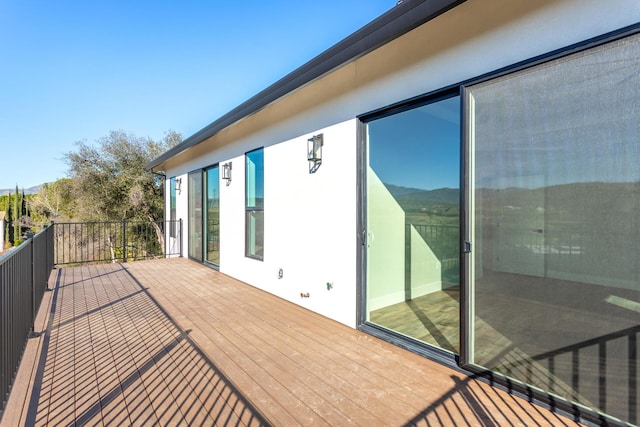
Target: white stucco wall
(310, 223)
(311, 220)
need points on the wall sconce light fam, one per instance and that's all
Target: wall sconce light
(179, 185)
(226, 172)
(314, 152)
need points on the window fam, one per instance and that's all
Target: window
(254, 204)
(172, 207)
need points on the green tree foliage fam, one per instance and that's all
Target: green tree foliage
(16, 214)
(54, 202)
(23, 205)
(9, 225)
(110, 182)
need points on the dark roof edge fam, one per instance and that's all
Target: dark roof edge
(389, 26)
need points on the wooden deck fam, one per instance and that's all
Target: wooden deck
(172, 342)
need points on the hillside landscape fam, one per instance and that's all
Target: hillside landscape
(30, 190)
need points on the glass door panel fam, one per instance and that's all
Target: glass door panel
(195, 215)
(554, 280)
(413, 219)
(212, 220)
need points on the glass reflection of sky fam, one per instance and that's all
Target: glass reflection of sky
(255, 168)
(418, 148)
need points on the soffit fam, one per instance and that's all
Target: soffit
(397, 21)
(412, 48)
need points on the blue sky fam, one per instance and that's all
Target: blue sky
(419, 148)
(75, 70)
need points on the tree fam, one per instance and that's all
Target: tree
(54, 201)
(111, 182)
(16, 222)
(9, 233)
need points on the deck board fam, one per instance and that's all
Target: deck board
(172, 342)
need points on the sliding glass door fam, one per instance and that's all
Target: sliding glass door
(413, 219)
(549, 292)
(212, 215)
(554, 202)
(204, 215)
(194, 225)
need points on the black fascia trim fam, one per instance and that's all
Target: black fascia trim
(392, 24)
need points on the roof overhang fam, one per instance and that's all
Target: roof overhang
(399, 20)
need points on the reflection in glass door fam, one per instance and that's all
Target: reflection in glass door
(194, 226)
(212, 215)
(555, 188)
(413, 223)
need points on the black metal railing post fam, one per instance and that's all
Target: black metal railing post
(99, 242)
(124, 241)
(632, 363)
(24, 273)
(33, 285)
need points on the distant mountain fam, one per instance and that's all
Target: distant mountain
(418, 196)
(30, 190)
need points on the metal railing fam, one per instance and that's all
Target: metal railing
(99, 242)
(25, 271)
(24, 275)
(444, 240)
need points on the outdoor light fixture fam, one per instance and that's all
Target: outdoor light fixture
(314, 152)
(179, 185)
(226, 172)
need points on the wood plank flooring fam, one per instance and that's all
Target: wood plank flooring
(432, 318)
(172, 342)
(556, 335)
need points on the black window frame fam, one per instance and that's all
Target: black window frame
(253, 208)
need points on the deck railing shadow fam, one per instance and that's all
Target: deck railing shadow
(25, 270)
(125, 360)
(489, 408)
(589, 359)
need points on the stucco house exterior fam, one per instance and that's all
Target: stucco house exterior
(457, 177)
